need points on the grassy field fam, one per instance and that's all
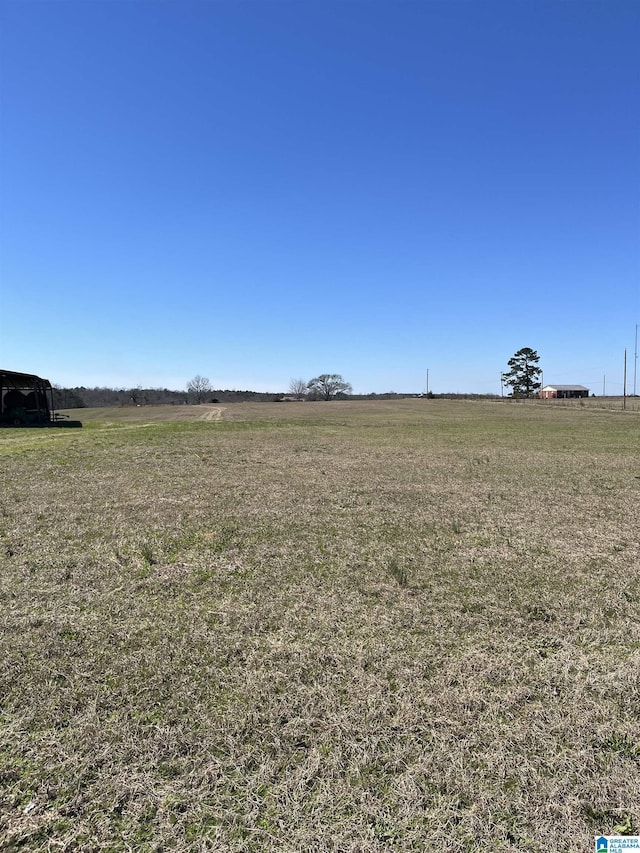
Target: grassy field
(408, 626)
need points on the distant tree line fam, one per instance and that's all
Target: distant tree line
(326, 386)
(81, 397)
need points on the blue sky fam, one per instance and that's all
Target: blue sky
(257, 191)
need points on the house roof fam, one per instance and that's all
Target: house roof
(565, 388)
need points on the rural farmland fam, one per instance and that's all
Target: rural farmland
(401, 625)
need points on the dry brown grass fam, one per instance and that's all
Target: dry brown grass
(328, 627)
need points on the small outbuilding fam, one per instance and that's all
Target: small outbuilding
(27, 400)
(563, 392)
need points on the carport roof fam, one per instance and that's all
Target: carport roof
(12, 379)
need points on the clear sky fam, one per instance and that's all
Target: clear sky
(260, 191)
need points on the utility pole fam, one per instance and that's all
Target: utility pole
(635, 363)
(427, 380)
(624, 381)
(604, 386)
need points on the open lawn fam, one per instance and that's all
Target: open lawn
(407, 625)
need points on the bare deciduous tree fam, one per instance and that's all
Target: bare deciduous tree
(199, 387)
(298, 389)
(327, 385)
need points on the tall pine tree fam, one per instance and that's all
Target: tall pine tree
(524, 373)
